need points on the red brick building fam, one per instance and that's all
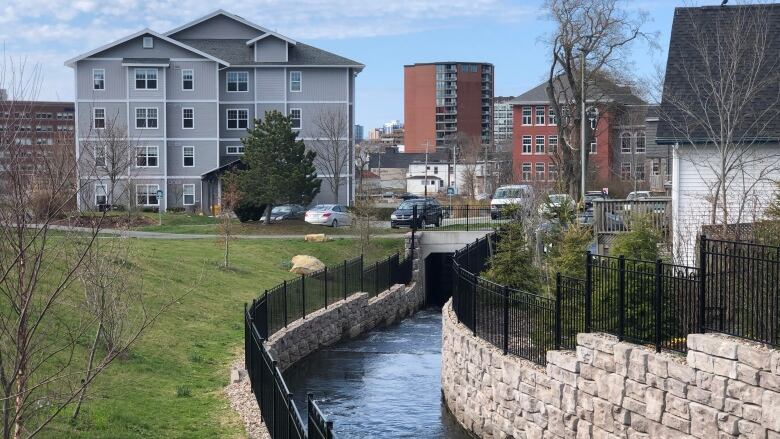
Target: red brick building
(616, 152)
(442, 100)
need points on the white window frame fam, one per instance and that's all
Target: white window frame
(523, 115)
(95, 118)
(148, 194)
(184, 194)
(526, 171)
(146, 78)
(551, 143)
(640, 135)
(626, 136)
(299, 82)
(146, 118)
(184, 156)
(96, 148)
(185, 118)
(300, 118)
(147, 149)
(94, 80)
(523, 144)
(192, 75)
(540, 115)
(238, 150)
(623, 166)
(593, 147)
(656, 167)
(147, 43)
(552, 118)
(238, 83)
(536, 144)
(237, 110)
(105, 193)
(537, 171)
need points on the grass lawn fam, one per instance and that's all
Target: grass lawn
(171, 384)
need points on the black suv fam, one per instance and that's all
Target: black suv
(428, 212)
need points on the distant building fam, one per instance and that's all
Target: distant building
(375, 134)
(502, 119)
(446, 99)
(395, 137)
(359, 133)
(392, 166)
(659, 157)
(391, 126)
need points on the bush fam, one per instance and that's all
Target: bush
(512, 264)
(641, 242)
(176, 210)
(249, 212)
(567, 249)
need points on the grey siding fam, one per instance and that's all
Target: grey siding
(226, 133)
(654, 150)
(271, 84)
(244, 96)
(205, 73)
(310, 113)
(219, 27)
(224, 158)
(206, 157)
(175, 191)
(116, 113)
(134, 49)
(115, 86)
(262, 108)
(159, 93)
(271, 49)
(148, 132)
(206, 119)
(320, 84)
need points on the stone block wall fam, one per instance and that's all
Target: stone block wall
(724, 388)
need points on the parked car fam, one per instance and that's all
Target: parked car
(555, 204)
(591, 196)
(333, 215)
(638, 195)
(512, 194)
(408, 196)
(429, 211)
(287, 211)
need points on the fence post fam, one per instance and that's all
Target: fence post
(621, 297)
(506, 319)
(362, 290)
(303, 295)
(325, 273)
(414, 219)
(468, 214)
(474, 302)
(657, 304)
(284, 283)
(588, 291)
(274, 398)
(247, 360)
(376, 277)
(558, 335)
(345, 279)
(702, 309)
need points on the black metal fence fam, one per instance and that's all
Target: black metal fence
(735, 290)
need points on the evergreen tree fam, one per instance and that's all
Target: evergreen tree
(279, 169)
(640, 242)
(512, 264)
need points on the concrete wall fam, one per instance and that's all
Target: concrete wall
(725, 388)
(446, 242)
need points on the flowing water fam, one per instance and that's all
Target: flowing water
(383, 384)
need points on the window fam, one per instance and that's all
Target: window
(552, 171)
(146, 118)
(187, 80)
(625, 143)
(99, 152)
(593, 147)
(656, 167)
(639, 171)
(98, 118)
(435, 169)
(237, 119)
(540, 115)
(640, 142)
(188, 194)
(146, 156)
(540, 144)
(540, 171)
(98, 79)
(593, 117)
(237, 81)
(101, 195)
(526, 115)
(625, 171)
(188, 156)
(295, 118)
(552, 119)
(146, 194)
(296, 81)
(188, 118)
(526, 171)
(148, 43)
(235, 150)
(552, 144)
(146, 79)
(526, 144)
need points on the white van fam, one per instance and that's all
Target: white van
(520, 194)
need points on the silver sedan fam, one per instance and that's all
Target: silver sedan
(333, 215)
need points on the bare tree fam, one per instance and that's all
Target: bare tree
(604, 33)
(333, 147)
(230, 199)
(721, 100)
(469, 157)
(44, 326)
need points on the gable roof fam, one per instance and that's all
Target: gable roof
(685, 56)
(609, 90)
(71, 62)
(236, 52)
(271, 34)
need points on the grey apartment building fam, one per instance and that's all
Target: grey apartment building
(185, 99)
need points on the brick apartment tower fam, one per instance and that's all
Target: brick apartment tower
(445, 98)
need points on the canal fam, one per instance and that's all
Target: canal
(383, 384)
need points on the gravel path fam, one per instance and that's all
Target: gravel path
(242, 400)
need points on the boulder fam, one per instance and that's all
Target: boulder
(315, 237)
(304, 264)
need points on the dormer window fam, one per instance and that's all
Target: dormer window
(148, 43)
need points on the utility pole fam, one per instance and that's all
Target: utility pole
(583, 151)
(425, 183)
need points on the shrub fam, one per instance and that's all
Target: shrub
(246, 211)
(641, 242)
(183, 392)
(512, 264)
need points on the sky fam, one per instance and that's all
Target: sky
(383, 35)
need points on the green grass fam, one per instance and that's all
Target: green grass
(171, 383)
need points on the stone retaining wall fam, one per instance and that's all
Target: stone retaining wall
(725, 388)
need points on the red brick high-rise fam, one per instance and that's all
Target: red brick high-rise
(445, 99)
